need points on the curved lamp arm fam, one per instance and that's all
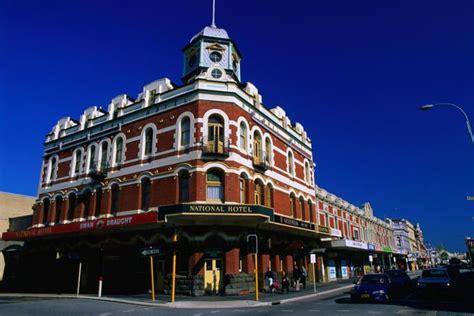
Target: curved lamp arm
(468, 124)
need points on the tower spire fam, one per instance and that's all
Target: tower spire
(213, 13)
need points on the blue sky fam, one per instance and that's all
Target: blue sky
(352, 72)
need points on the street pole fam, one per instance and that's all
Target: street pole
(173, 275)
(152, 279)
(314, 278)
(256, 276)
(79, 279)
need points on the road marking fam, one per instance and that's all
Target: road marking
(129, 311)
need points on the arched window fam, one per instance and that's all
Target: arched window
(86, 199)
(242, 189)
(291, 169)
(45, 211)
(72, 206)
(119, 151)
(98, 200)
(184, 186)
(302, 208)
(148, 142)
(216, 141)
(259, 193)
(215, 186)
(115, 199)
(185, 131)
(103, 156)
(311, 212)
(52, 169)
(92, 160)
(146, 190)
(243, 136)
(307, 176)
(269, 195)
(257, 148)
(59, 206)
(293, 205)
(77, 162)
(268, 151)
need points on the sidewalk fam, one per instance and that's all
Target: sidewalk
(182, 301)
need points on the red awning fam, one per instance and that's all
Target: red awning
(86, 226)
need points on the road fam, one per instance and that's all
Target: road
(330, 304)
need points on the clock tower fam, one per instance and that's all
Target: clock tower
(211, 55)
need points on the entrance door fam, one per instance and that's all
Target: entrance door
(213, 276)
(160, 275)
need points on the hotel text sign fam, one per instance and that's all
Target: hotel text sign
(214, 209)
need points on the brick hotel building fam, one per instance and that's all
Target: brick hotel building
(205, 160)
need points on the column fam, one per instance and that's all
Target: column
(65, 208)
(288, 264)
(232, 261)
(276, 264)
(263, 262)
(39, 219)
(248, 265)
(106, 202)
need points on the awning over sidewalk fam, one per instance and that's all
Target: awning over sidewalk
(348, 244)
(85, 226)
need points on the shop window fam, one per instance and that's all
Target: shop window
(59, 207)
(115, 199)
(184, 186)
(293, 205)
(215, 186)
(45, 211)
(185, 131)
(146, 188)
(243, 136)
(259, 193)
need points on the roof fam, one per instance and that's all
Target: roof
(211, 31)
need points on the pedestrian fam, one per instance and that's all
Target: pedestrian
(285, 283)
(297, 277)
(304, 275)
(270, 276)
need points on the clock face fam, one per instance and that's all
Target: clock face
(215, 57)
(192, 61)
(216, 73)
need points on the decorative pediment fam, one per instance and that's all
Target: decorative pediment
(216, 46)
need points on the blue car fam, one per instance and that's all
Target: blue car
(373, 287)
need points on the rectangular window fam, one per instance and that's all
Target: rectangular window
(242, 191)
(215, 193)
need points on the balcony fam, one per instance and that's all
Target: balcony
(260, 161)
(98, 174)
(215, 148)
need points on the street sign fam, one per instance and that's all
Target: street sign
(370, 258)
(147, 252)
(313, 258)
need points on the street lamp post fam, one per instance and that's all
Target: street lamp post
(468, 124)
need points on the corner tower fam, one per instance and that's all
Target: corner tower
(211, 55)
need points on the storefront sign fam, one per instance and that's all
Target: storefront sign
(386, 249)
(94, 225)
(214, 209)
(377, 248)
(148, 252)
(371, 247)
(332, 269)
(347, 243)
(336, 232)
(293, 222)
(323, 229)
(344, 269)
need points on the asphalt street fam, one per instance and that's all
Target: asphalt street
(330, 304)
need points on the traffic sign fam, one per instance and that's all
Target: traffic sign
(147, 252)
(313, 258)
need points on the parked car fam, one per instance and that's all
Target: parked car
(400, 281)
(372, 286)
(436, 282)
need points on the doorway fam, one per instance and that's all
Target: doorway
(160, 275)
(213, 276)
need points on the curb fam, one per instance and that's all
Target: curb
(184, 304)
